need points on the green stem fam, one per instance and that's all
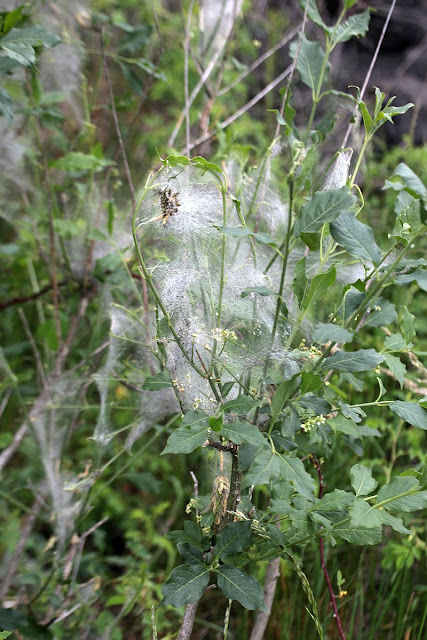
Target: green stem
(359, 161)
(317, 92)
(374, 292)
(285, 260)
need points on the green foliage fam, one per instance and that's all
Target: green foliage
(279, 345)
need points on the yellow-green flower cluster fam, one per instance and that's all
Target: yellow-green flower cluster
(312, 352)
(223, 334)
(315, 421)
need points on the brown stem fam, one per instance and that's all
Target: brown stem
(26, 529)
(235, 482)
(262, 618)
(188, 621)
(332, 596)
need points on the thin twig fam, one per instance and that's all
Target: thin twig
(222, 125)
(202, 81)
(124, 158)
(196, 489)
(6, 455)
(32, 296)
(25, 533)
(293, 67)
(186, 56)
(371, 66)
(259, 61)
(52, 245)
(36, 354)
(332, 596)
(67, 344)
(117, 124)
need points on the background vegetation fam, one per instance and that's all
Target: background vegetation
(89, 99)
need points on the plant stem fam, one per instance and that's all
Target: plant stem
(153, 289)
(188, 621)
(285, 260)
(332, 597)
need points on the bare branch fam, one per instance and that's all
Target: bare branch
(271, 577)
(26, 529)
(332, 596)
(203, 79)
(371, 66)
(188, 621)
(294, 64)
(259, 61)
(222, 125)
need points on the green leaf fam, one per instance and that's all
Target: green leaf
(383, 317)
(313, 14)
(397, 367)
(325, 206)
(216, 424)
(310, 62)
(395, 523)
(330, 332)
(281, 498)
(394, 494)
(361, 480)
(154, 383)
(312, 240)
(410, 412)
(389, 112)
(264, 465)
(240, 432)
(20, 44)
(319, 286)
(233, 538)
(28, 628)
(355, 237)
(319, 406)
(226, 388)
(356, 25)
(411, 180)
(336, 500)
(358, 535)
(419, 276)
(367, 120)
(75, 161)
(310, 382)
(241, 405)
(350, 428)
(267, 465)
(362, 360)
(189, 553)
(191, 534)
(260, 291)
(394, 342)
(407, 325)
(11, 18)
(299, 283)
(186, 584)
(236, 585)
(5, 104)
(280, 396)
(192, 433)
(293, 470)
(362, 514)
